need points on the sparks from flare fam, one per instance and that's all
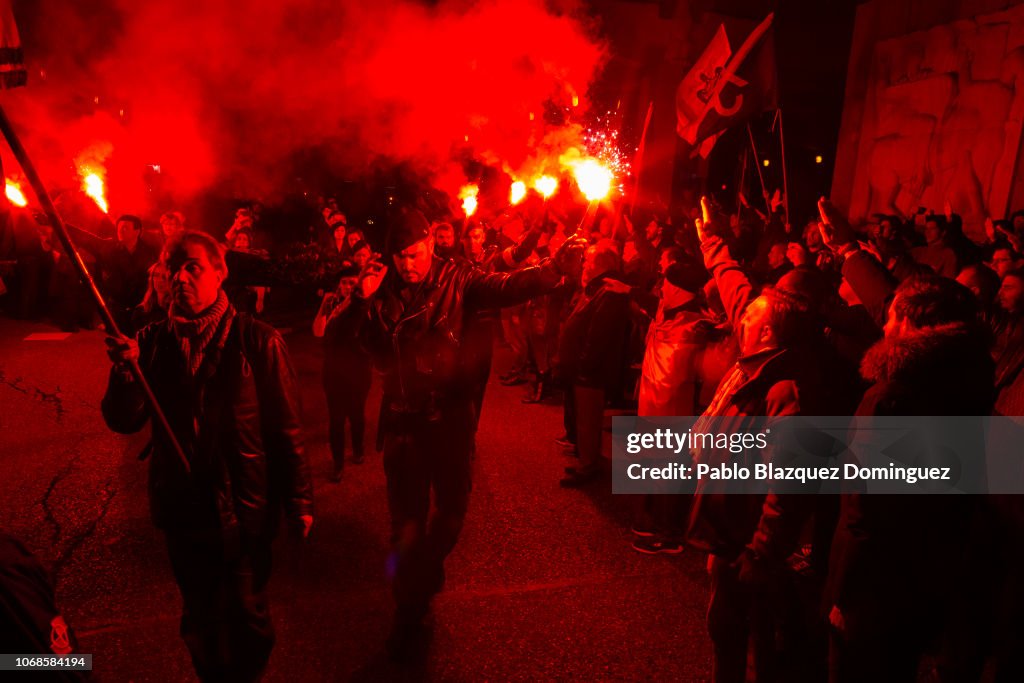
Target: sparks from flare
(593, 178)
(15, 195)
(601, 141)
(517, 192)
(93, 185)
(468, 195)
(547, 185)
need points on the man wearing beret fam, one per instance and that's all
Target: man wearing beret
(412, 322)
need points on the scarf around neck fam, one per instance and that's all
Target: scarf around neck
(194, 334)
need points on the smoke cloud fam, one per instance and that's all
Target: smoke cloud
(231, 93)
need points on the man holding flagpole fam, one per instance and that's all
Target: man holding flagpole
(230, 395)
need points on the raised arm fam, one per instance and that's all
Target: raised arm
(865, 274)
(497, 290)
(733, 284)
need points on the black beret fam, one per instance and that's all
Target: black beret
(408, 228)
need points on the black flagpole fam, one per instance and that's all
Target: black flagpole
(76, 260)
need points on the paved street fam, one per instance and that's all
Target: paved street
(542, 586)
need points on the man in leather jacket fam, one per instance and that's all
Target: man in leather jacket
(413, 324)
(227, 387)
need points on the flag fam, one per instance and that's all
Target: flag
(725, 88)
(690, 107)
(12, 60)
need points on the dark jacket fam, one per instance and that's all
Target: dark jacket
(344, 356)
(237, 420)
(1008, 353)
(871, 282)
(125, 273)
(592, 345)
(896, 555)
(415, 334)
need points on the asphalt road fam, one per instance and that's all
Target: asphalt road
(543, 585)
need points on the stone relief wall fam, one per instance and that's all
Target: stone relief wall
(942, 120)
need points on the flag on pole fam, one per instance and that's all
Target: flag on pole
(691, 105)
(12, 60)
(725, 88)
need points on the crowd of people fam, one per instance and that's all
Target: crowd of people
(707, 314)
(736, 316)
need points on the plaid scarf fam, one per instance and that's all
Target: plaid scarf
(194, 334)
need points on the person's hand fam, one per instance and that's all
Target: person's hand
(870, 247)
(990, 229)
(570, 254)
(298, 527)
(947, 208)
(704, 223)
(371, 276)
(122, 350)
(836, 231)
(838, 621)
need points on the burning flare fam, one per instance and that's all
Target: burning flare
(517, 192)
(93, 185)
(546, 185)
(468, 195)
(15, 195)
(593, 178)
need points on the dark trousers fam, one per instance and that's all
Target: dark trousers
(778, 620)
(569, 412)
(479, 349)
(225, 619)
(588, 405)
(515, 334)
(421, 456)
(481, 373)
(735, 620)
(665, 513)
(889, 630)
(346, 390)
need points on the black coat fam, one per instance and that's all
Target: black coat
(237, 420)
(897, 556)
(416, 334)
(593, 343)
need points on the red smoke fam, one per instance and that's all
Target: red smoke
(229, 92)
